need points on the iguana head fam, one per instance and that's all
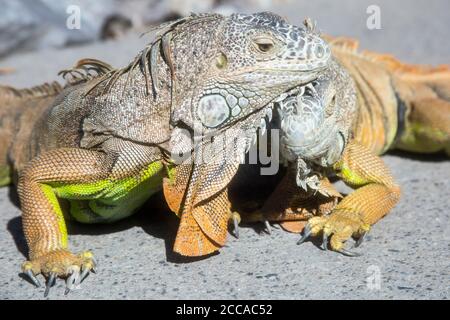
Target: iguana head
(315, 121)
(226, 68)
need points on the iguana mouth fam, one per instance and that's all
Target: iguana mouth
(298, 91)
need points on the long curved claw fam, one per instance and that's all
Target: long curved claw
(324, 241)
(268, 227)
(32, 277)
(84, 274)
(50, 283)
(72, 280)
(306, 234)
(347, 253)
(95, 261)
(360, 240)
(275, 226)
(236, 227)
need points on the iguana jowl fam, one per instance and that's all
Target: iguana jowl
(102, 143)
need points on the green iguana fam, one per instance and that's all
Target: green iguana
(103, 143)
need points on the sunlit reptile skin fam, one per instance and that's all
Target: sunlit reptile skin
(398, 106)
(103, 143)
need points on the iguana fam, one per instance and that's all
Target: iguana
(104, 142)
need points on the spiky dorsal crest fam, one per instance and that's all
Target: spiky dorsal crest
(44, 90)
(147, 58)
(351, 46)
(85, 70)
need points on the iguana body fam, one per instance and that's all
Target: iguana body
(104, 142)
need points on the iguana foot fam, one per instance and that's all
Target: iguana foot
(60, 264)
(340, 225)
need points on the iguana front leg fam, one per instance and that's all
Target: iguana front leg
(375, 196)
(43, 220)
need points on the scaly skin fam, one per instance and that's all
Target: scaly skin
(386, 91)
(362, 96)
(198, 191)
(104, 143)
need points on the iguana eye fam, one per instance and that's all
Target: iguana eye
(264, 45)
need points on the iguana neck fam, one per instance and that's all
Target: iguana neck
(376, 120)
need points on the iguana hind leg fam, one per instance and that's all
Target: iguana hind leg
(375, 195)
(424, 94)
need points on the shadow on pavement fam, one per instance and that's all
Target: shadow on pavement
(432, 157)
(154, 218)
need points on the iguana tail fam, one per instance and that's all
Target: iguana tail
(424, 100)
(14, 104)
(400, 105)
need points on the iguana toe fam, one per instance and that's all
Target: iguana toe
(235, 218)
(60, 264)
(305, 235)
(361, 239)
(268, 227)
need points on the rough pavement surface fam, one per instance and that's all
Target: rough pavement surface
(407, 255)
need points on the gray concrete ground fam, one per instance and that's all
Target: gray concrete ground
(407, 255)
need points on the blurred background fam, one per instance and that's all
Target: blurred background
(415, 31)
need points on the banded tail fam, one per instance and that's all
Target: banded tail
(401, 106)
